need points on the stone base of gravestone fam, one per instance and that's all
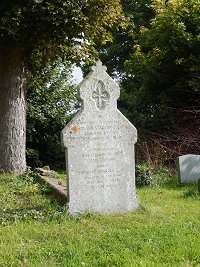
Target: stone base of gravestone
(58, 186)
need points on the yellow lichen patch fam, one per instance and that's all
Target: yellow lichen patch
(126, 126)
(74, 128)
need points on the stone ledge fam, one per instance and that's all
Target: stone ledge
(59, 187)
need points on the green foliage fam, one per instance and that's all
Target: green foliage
(164, 66)
(35, 231)
(157, 60)
(51, 101)
(143, 174)
(22, 200)
(39, 32)
(59, 28)
(149, 175)
(114, 55)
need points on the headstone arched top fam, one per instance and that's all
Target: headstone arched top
(98, 90)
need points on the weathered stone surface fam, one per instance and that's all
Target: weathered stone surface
(45, 171)
(188, 168)
(59, 187)
(100, 149)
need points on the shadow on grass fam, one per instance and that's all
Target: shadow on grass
(188, 190)
(191, 192)
(8, 216)
(34, 213)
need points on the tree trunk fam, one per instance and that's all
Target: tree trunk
(12, 109)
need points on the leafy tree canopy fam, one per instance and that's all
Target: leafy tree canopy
(115, 54)
(57, 27)
(157, 59)
(51, 100)
(34, 33)
(164, 66)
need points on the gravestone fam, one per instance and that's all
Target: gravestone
(189, 168)
(99, 144)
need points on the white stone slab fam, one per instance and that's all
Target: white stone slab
(189, 168)
(100, 149)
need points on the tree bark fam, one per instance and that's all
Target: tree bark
(12, 109)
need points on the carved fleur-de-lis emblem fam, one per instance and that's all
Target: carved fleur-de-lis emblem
(100, 95)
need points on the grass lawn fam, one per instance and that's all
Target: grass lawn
(35, 230)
